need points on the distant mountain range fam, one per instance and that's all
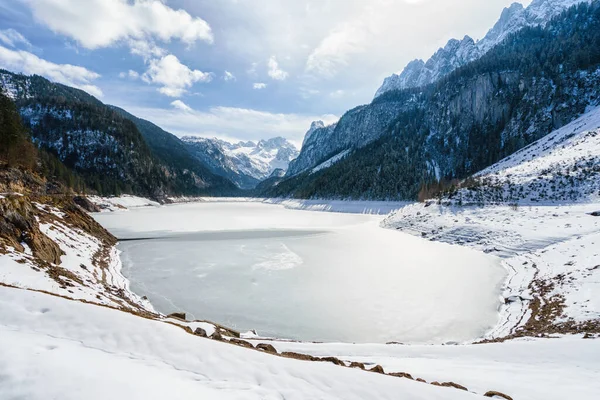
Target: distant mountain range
(244, 163)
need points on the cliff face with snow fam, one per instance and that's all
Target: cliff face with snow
(365, 124)
(481, 113)
(245, 163)
(564, 166)
(458, 53)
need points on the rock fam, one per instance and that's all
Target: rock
(333, 360)
(401, 375)
(298, 356)
(216, 335)
(421, 380)
(493, 393)
(241, 342)
(266, 348)
(355, 364)
(228, 332)
(452, 385)
(86, 204)
(200, 332)
(378, 369)
(595, 214)
(177, 315)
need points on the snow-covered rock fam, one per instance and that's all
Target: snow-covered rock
(457, 53)
(245, 163)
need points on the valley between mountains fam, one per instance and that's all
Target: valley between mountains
(440, 242)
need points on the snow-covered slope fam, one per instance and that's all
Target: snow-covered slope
(243, 160)
(457, 53)
(515, 209)
(563, 166)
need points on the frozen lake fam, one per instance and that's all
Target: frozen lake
(313, 276)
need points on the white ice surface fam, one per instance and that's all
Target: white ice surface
(306, 275)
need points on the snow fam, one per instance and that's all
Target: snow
(56, 348)
(257, 160)
(527, 369)
(122, 202)
(563, 166)
(306, 275)
(458, 53)
(333, 160)
(96, 284)
(343, 206)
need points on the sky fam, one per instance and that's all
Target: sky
(233, 69)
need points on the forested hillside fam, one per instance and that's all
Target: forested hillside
(537, 80)
(103, 145)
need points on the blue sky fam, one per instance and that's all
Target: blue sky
(234, 69)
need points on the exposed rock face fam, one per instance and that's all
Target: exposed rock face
(18, 227)
(356, 128)
(86, 204)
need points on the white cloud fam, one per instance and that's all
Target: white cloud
(180, 105)
(146, 49)
(67, 74)
(228, 76)
(231, 123)
(102, 23)
(259, 85)
(335, 50)
(275, 72)
(336, 94)
(12, 38)
(131, 74)
(173, 77)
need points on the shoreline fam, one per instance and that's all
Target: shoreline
(356, 206)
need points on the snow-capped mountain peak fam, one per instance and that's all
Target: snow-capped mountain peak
(458, 53)
(246, 163)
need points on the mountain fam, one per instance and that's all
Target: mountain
(562, 166)
(537, 80)
(458, 53)
(104, 145)
(244, 163)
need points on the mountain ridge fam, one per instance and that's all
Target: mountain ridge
(458, 53)
(244, 163)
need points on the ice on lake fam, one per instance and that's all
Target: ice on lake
(313, 276)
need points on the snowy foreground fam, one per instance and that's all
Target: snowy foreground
(52, 347)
